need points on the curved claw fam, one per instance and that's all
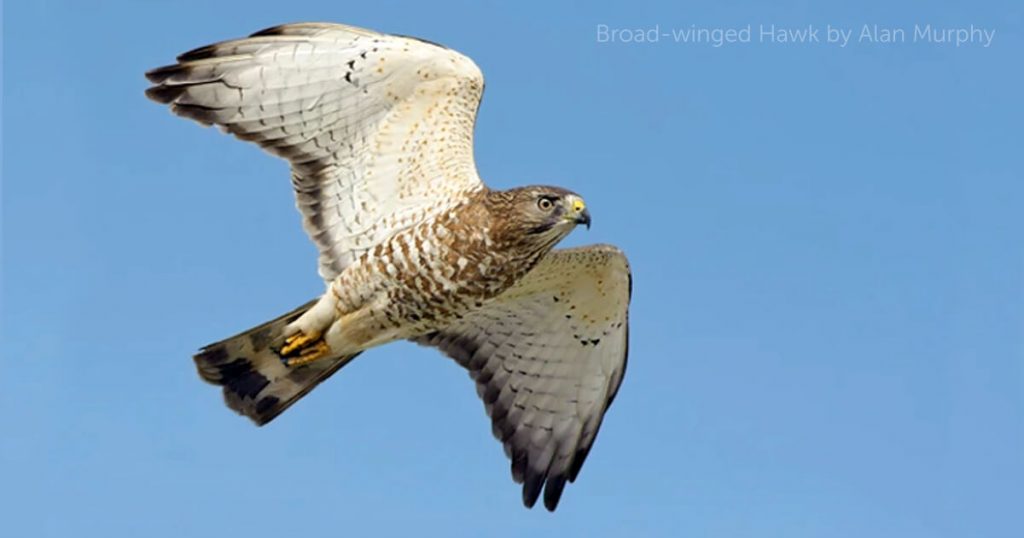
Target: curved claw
(296, 342)
(300, 348)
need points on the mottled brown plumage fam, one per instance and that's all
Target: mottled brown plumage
(423, 277)
(378, 130)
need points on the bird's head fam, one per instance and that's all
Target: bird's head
(541, 215)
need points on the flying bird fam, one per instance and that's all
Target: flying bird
(378, 130)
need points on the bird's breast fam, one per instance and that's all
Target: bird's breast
(439, 272)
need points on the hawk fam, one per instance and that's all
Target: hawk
(378, 130)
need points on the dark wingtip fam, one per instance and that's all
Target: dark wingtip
(160, 74)
(531, 488)
(163, 94)
(160, 92)
(202, 114)
(518, 466)
(553, 492)
(294, 28)
(578, 459)
(199, 53)
(271, 30)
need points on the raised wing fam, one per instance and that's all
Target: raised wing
(548, 356)
(378, 128)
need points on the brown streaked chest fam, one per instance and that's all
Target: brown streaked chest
(440, 269)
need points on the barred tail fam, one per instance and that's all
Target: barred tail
(256, 383)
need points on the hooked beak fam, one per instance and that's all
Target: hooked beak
(583, 217)
(578, 212)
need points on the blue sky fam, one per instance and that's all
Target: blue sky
(828, 314)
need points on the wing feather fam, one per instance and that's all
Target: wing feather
(378, 128)
(548, 357)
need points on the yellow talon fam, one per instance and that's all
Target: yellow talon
(297, 341)
(317, 350)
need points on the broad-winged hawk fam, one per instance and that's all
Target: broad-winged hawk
(379, 133)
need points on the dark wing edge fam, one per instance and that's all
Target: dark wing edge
(546, 448)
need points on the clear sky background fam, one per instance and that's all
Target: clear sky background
(828, 311)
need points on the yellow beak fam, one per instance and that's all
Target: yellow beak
(578, 211)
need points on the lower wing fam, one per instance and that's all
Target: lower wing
(548, 356)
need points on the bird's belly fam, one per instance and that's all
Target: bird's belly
(425, 307)
(416, 284)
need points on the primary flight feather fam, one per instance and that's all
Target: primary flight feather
(379, 133)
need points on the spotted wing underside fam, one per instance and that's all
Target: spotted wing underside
(547, 357)
(378, 128)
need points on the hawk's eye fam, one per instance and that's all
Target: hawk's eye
(545, 204)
